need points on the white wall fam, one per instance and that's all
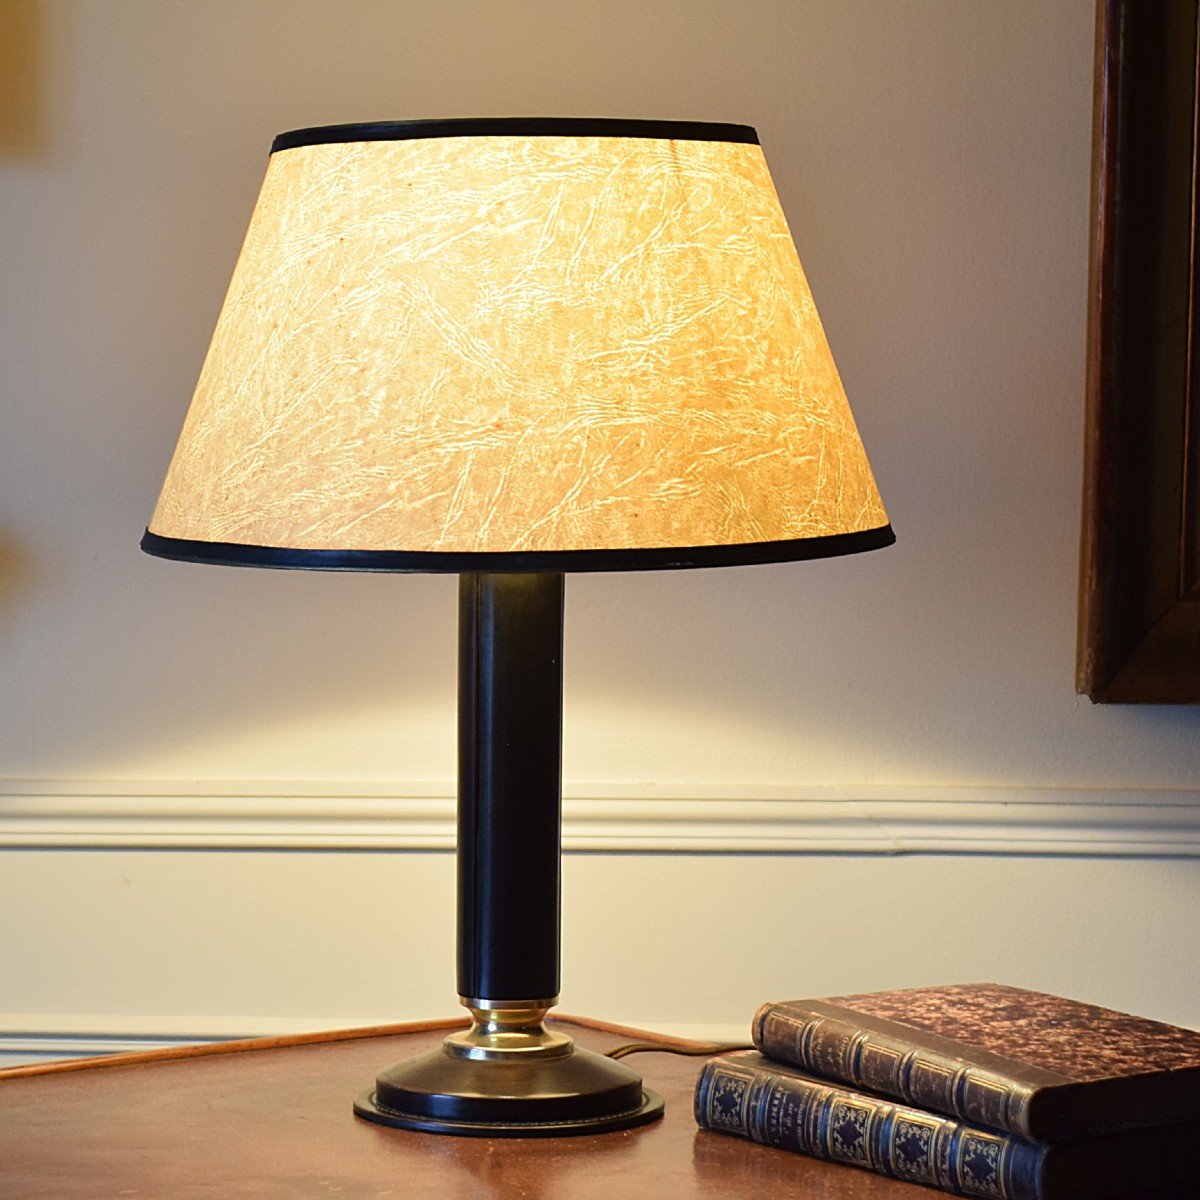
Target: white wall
(224, 795)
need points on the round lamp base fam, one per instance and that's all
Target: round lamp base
(578, 1092)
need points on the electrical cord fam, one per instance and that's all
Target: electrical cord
(697, 1050)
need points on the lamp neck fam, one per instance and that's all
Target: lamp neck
(509, 788)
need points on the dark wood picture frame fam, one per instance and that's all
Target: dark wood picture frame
(1139, 596)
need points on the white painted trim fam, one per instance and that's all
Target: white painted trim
(46, 1037)
(174, 1029)
(35, 1047)
(27, 1038)
(24, 1050)
(877, 819)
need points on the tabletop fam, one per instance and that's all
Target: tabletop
(272, 1118)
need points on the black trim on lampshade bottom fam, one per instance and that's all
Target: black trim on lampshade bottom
(235, 554)
(439, 127)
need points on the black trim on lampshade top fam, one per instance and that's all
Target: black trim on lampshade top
(438, 127)
(671, 558)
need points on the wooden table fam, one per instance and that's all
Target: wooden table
(272, 1118)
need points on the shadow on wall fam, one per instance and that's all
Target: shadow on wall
(22, 116)
(15, 572)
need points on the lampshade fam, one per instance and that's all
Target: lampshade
(518, 345)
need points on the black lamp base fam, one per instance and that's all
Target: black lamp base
(571, 1093)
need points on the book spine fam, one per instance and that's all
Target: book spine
(876, 1060)
(831, 1123)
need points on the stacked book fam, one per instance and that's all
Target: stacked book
(976, 1089)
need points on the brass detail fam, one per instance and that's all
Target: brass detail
(473, 1002)
(508, 1029)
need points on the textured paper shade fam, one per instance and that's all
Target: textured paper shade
(518, 344)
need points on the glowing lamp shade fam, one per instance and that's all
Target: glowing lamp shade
(513, 349)
(591, 347)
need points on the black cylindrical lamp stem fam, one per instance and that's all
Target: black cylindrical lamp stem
(509, 785)
(509, 1074)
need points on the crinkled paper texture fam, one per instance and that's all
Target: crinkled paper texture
(501, 343)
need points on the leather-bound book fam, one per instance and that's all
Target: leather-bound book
(1041, 1067)
(750, 1096)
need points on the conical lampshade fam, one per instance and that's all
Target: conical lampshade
(518, 344)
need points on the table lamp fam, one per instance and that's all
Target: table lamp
(513, 348)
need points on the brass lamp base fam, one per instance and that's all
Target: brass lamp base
(509, 1076)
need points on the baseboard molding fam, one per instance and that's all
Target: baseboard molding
(26, 1050)
(27, 1038)
(878, 819)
